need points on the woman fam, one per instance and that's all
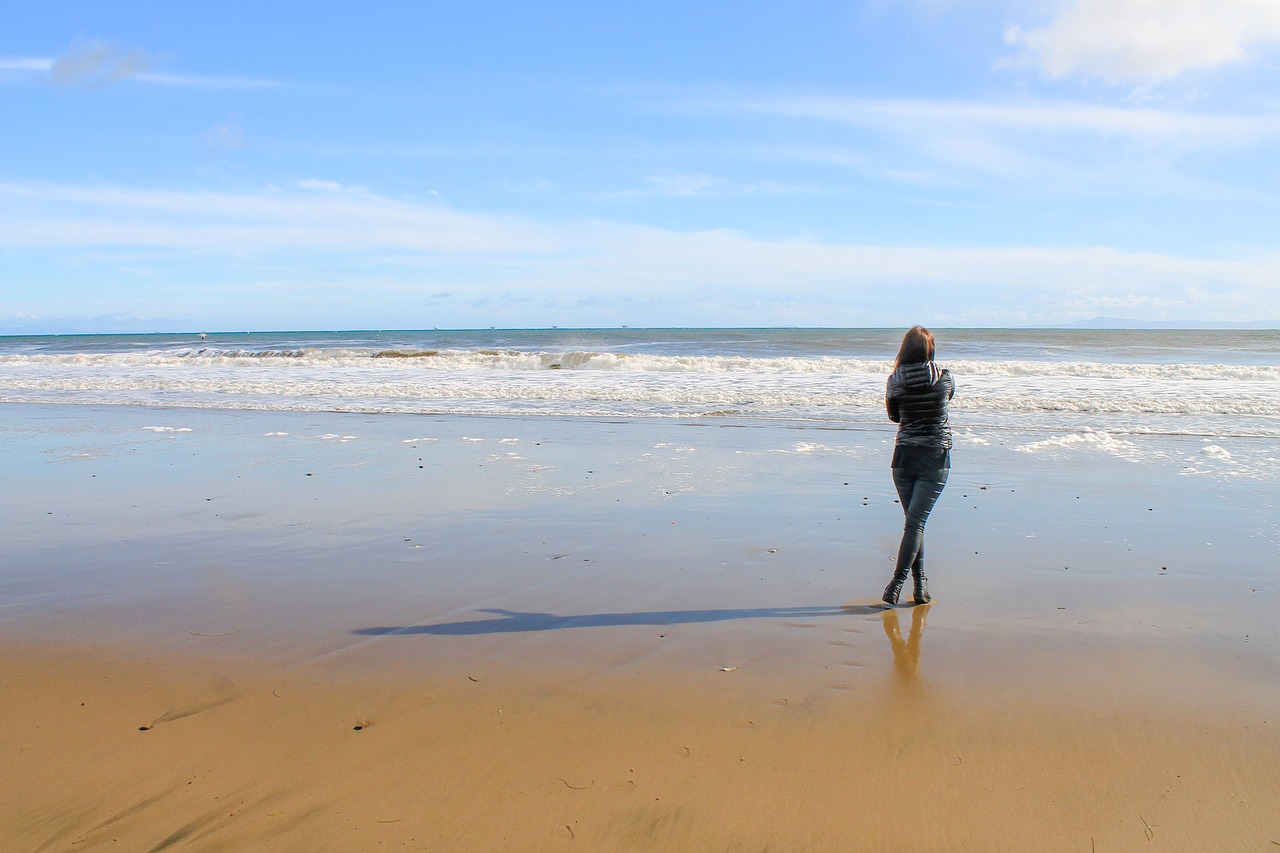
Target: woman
(916, 399)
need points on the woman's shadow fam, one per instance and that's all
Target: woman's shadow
(907, 686)
(514, 621)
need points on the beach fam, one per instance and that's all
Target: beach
(237, 629)
(512, 427)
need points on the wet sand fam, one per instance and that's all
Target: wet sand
(295, 631)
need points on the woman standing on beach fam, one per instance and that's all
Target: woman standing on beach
(916, 399)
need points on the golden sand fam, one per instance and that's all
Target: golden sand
(148, 753)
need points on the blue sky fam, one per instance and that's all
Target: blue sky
(237, 166)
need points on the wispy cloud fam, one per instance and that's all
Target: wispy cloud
(319, 224)
(684, 185)
(689, 185)
(25, 63)
(1146, 41)
(1047, 144)
(194, 81)
(315, 215)
(97, 64)
(320, 185)
(919, 117)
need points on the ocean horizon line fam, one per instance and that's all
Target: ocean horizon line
(1093, 324)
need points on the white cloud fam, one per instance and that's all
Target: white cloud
(413, 246)
(1147, 41)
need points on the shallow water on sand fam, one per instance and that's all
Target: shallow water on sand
(313, 533)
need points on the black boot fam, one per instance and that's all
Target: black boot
(921, 584)
(894, 588)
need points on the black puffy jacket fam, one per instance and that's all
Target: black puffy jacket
(916, 399)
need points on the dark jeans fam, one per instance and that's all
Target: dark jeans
(918, 491)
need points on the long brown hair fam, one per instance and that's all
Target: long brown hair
(917, 347)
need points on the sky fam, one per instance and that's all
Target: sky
(239, 166)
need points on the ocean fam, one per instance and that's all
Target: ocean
(1053, 388)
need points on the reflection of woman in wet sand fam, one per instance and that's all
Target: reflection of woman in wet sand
(916, 399)
(906, 653)
(911, 721)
